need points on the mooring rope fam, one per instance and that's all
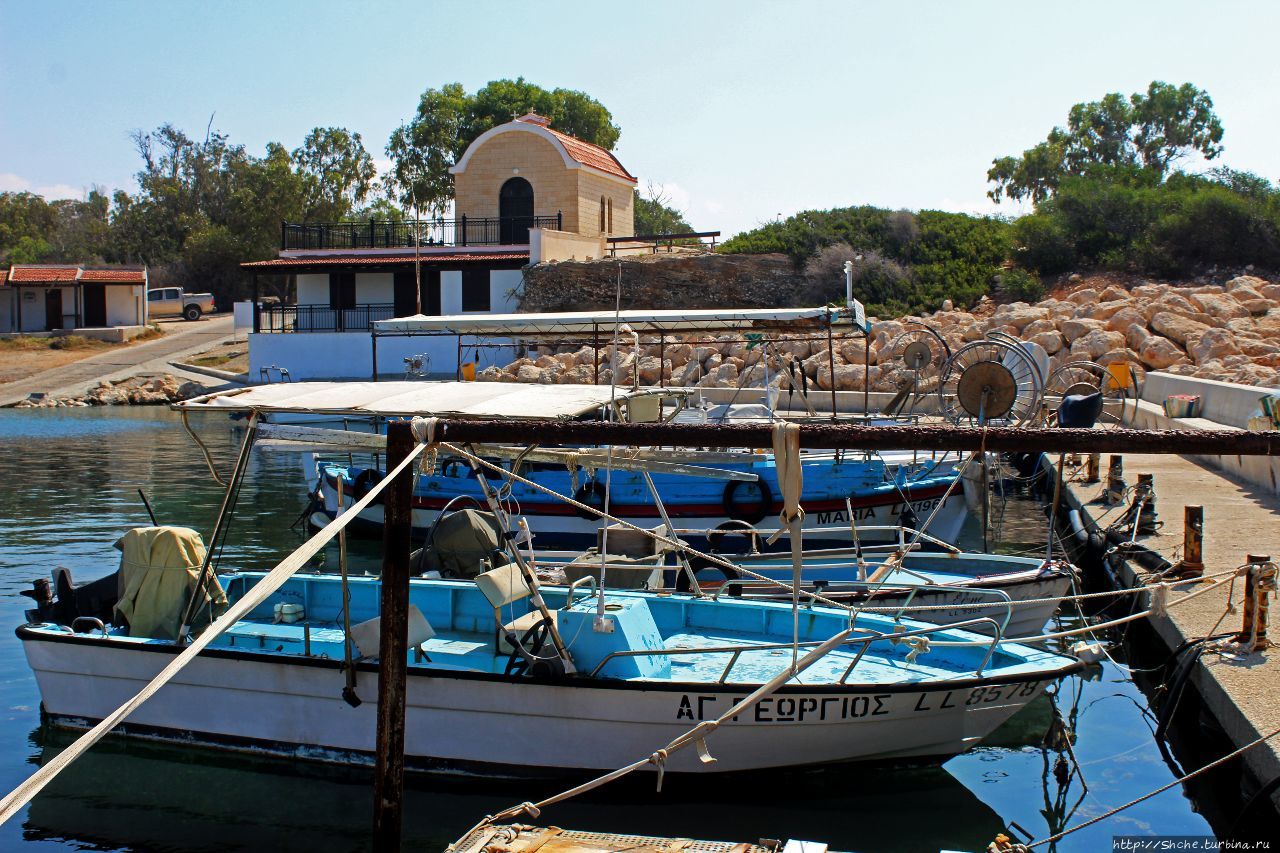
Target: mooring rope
(273, 580)
(695, 736)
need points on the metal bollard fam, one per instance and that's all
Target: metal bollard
(1259, 581)
(1092, 463)
(1192, 565)
(1144, 496)
(1115, 479)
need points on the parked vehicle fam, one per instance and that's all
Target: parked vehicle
(174, 302)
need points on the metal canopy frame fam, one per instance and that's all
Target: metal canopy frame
(568, 329)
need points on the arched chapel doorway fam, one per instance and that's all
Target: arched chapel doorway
(515, 211)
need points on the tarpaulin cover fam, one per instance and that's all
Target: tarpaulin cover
(159, 567)
(397, 399)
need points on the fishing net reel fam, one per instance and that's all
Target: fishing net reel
(989, 382)
(1082, 378)
(924, 353)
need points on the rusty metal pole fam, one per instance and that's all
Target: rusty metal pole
(1259, 581)
(1192, 565)
(1115, 479)
(393, 644)
(1092, 463)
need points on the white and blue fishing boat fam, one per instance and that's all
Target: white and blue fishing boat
(507, 678)
(877, 495)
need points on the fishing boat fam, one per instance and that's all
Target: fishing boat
(507, 678)
(837, 487)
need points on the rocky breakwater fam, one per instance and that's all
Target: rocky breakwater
(1229, 332)
(135, 391)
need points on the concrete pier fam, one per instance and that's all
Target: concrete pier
(1243, 692)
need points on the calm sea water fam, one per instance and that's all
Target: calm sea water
(70, 489)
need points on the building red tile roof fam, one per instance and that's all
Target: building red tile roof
(377, 260)
(115, 276)
(37, 274)
(72, 273)
(582, 151)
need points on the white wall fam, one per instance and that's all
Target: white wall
(451, 292)
(313, 289)
(348, 355)
(33, 310)
(503, 290)
(375, 288)
(124, 305)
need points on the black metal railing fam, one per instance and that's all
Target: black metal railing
(389, 234)
(320, 318)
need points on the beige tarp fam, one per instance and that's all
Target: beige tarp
(578, 322)
(159, 567)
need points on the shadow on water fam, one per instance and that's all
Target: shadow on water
(134, 795)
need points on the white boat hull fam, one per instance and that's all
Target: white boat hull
(479, 722)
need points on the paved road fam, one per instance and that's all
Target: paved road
(181, 339)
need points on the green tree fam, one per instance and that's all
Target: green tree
(655, 215)
(336, 170)
(1151, 130)
(448, 120)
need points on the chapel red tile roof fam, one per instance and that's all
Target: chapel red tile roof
(582, 151)
(376, 260)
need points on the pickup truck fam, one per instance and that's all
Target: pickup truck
(173, 302)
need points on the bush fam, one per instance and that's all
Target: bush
(1018, 285)
(1043, 245)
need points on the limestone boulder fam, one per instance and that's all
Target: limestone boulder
(1052, 341)
(1039, 326)
(1159, 353)
(1103, 310)
(529, 373)
(1019, 317)
(1171, 303)
(1127, 316)
(1084, 296)
(1212, 345)
(1177, 327)
(1076, 328)
(1136, 335)
(689, 375)
(1218, 305)
(1112, 293)
(1095, 343)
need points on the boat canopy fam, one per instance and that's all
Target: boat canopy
(479, 400)
(577, 322)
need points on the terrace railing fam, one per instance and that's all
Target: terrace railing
(280, 319)
(390, 234)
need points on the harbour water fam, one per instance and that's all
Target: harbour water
(70, 489)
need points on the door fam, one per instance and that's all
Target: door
(515, 211)
(95, 305)
(52, 309)
(408, 303)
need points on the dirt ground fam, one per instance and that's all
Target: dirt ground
(232, 356)
(23, 357)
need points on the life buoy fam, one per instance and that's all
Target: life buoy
(750, 511)
(734, 528)
(591, 494)
(366, 480)
(700, 571)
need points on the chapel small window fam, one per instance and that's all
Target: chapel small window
(602, 220)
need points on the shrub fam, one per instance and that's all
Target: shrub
(1019, 285)
(878, 282)
(1042, 244)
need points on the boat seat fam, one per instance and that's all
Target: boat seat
(503, 586)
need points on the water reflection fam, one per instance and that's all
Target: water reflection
(70, 489)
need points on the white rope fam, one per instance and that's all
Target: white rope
(273, 580)
(790, 471)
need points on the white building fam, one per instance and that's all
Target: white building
(105, 302)
(524, 193)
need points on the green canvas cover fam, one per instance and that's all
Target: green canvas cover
(616, 577)
(463, 544)
(159, 567)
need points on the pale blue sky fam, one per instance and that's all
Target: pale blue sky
(743, 110)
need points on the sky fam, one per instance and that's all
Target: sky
(740, 111)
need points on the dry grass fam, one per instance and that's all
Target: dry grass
(21, 357)
(231, 356)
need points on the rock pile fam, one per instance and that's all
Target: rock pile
(1228, 332)
(135, 391)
